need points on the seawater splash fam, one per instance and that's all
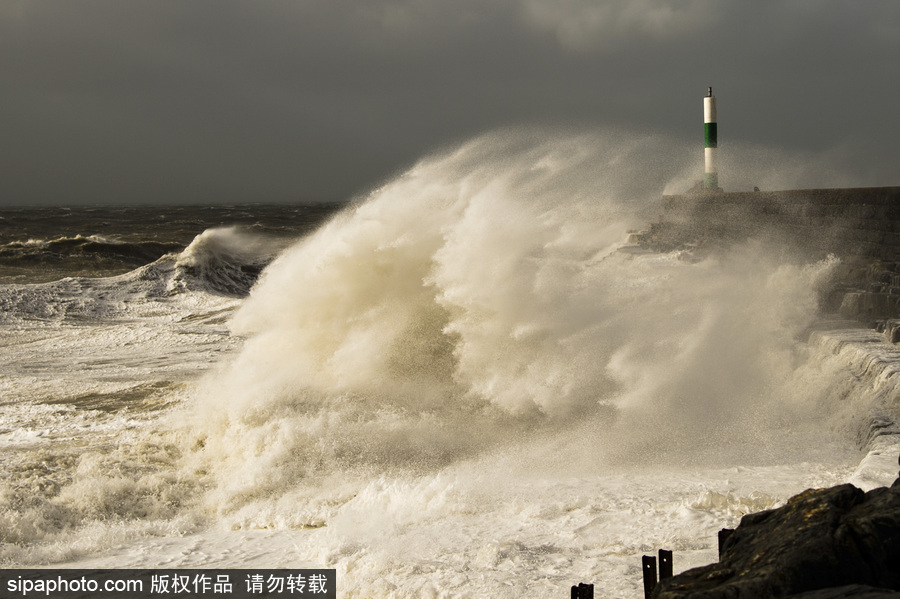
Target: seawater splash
(460, 386)
(224, 260)
(220, 261)
(477, 302)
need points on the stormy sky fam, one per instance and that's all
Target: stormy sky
(222, 101)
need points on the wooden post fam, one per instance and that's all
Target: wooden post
(665, 564)
(649, 565)
(583, 591)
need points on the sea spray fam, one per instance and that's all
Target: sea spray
(478, 302)
(460, 386)
(223, 260)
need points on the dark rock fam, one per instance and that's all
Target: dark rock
(895, 334)
(856, 591)
(820, 539)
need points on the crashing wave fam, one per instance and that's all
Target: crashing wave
(85, 252)
(223, 262)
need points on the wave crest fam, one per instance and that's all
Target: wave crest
(221, 262)
(224, 260)
(479, 299)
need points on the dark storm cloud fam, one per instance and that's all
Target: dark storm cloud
(224, 101)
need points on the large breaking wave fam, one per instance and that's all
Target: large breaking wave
(467, 383)
(478, 301)
(221, 261)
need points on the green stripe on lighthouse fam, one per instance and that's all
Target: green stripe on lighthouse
(710, 134)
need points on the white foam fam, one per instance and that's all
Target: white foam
(456, 388)
(477, 297)
(879, 468)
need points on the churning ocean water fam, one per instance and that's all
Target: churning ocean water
(465, 384)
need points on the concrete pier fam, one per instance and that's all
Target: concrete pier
(857, 222)
(861, 226)
(855, 550)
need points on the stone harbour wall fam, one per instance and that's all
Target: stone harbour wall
(825, 543)
(859, 225)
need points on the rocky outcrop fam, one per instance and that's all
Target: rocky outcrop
(851, 591)
(824, 543)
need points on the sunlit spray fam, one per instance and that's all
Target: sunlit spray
(479, 299)
(467, 383)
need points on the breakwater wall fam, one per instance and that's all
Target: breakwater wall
(859, 225)
(784, 552)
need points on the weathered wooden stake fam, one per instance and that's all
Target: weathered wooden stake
(583, 591)
(665, 564)
(649, 564)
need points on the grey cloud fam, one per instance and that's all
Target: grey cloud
(587, 24)
(279, 100)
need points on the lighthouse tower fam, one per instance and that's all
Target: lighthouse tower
(710, 148)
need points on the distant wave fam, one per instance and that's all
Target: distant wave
(221, 261)
(92, 250)
(224, 261)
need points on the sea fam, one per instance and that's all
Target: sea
(468, 381)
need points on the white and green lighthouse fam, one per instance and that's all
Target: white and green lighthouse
(711, 141)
